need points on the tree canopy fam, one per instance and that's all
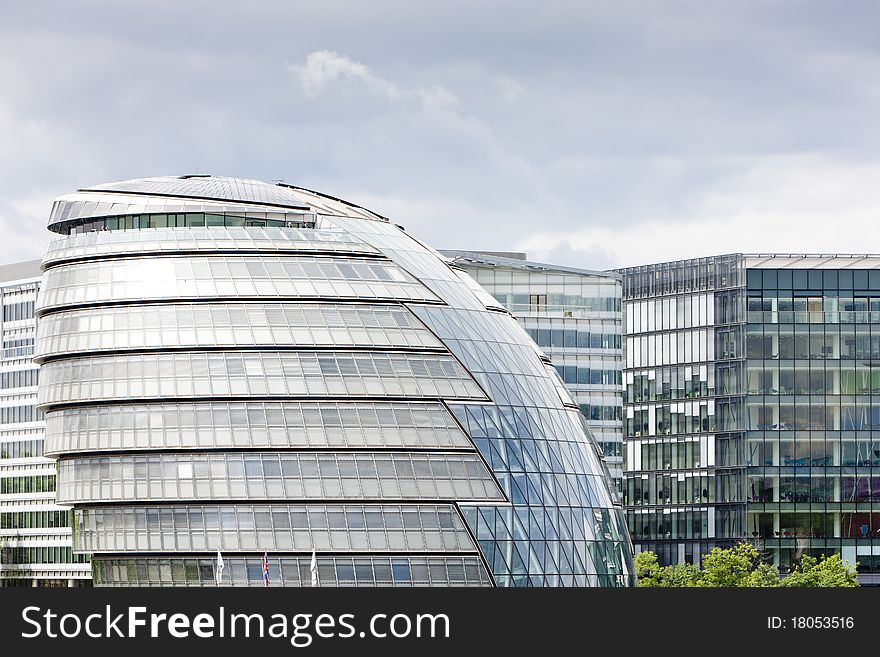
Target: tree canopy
(742, 566)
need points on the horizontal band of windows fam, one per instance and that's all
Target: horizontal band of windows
(18, 310)
(255, 374)
(276, 476)
(689, 524)
(226, 325)
(292, 571)
(17, 349)
(30, 484)
(34, 519)
(85, 204)
(21, 449)
(19, 378)
(679, 382)
(572, 374)
(272, 527)
(19, 414)
(574, 339)
(204, 276)
(577, 305)
(242, 425)
(178, 220)
(39, 555)
(598, 413)
(213, 239)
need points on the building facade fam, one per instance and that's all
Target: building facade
(575, 316)
(750, 406)
(261, 369)
(35, 535)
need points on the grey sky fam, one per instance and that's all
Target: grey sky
(593, 134)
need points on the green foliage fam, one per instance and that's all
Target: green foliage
(647, 569)
(650, 573)
(763, 576)
(682, 574)
(733, 567)
(827, 571)
(742, 566)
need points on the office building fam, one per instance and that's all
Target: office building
(575, 317)
(35, 537)
(261, 369)
(750, 406)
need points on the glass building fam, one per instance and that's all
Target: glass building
(260, 369)
(575, 317)
(751, 383)
(35, 536)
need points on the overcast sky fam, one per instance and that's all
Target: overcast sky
(594, 134)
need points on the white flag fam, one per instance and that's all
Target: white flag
(314, 568)
(219, 571)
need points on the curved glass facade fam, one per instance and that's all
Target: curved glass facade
(255, 374)
(214, 239)
(273, 527)
(328, 384)
(231, 324)
(226, 276)
(404, 571)
(254, 425)
(274, 475)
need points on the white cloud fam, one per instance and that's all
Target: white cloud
(603, 136)
(326, 67)
(787, 203)
(436, 96)
(323, 68)
(510, 88)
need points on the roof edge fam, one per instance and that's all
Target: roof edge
(480, 257)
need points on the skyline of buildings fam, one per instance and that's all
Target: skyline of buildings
(731, 398)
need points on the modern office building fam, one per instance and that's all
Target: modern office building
(261, 369)
(750, 406)
(575, 317)
(35, 537)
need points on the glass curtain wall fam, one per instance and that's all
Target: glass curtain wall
(813, 378)
(683, 481)
(575, 317)
(751, 403)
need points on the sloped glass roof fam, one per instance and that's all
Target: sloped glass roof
(221, 188)
(208, 187)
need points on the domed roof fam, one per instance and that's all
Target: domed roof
(277, 354)
(218, 188)
(147, 194)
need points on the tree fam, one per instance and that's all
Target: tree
(647, 569)
(3, 556)
(743, 566)
(682, 574)
(650, 573)
(765, 575)
(7, 568)
(736, 567)
(826, 571)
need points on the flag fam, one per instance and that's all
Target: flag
(265, 568)
(314, 568)
(219, 571)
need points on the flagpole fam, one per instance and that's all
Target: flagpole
(218, 569)
(313, 566)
